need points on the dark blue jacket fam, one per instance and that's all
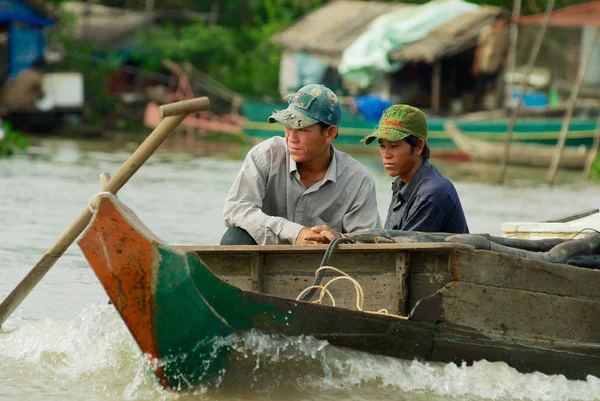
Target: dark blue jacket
(428, 202)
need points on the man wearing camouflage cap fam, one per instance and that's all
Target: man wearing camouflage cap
(422, 199)
(300, 190)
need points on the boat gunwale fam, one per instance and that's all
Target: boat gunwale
(361, 247)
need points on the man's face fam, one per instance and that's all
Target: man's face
(306, 144)
(398, 157)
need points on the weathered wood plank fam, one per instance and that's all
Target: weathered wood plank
(351, 263)
(257, 272)
(286, 276)
(429, 262)
(402, 271)
(515, 313)
(490, 268)
(298, 249)
(380, 291)
(424, 286)
(235, 264)
(241, 282)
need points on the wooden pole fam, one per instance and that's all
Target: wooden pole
(512, 50)
(591, 156)
(569, 113)
(129, 168)
(515, 112)
(436, 80)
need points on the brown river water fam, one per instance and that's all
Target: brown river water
(66, 343)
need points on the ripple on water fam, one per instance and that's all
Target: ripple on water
(95, 355)
(46, 352)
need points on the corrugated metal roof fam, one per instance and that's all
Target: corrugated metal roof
(450, 38)
(330, 29)
(586, 14)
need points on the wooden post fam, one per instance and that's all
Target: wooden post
(402, 271)
(257, 266)
(569, 113)
(515, 112)
(512, 50)
(591, 156)
(436, 81)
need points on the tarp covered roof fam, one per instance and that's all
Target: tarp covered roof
(330, 29)
(454, 36)
(578, 15)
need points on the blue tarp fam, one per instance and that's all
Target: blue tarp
(27, 19)
(15, 10)
(371, 107)
(26, 40)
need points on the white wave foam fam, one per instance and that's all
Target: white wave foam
(96, 353)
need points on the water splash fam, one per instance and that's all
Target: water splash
(96, 356)
(94, 352)
(269, 364)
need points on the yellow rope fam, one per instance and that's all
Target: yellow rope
(360, 295)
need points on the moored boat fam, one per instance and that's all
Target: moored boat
(528, 130)
(524, 154)
(565, 227)
(444, 301)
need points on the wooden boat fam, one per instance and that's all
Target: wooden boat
(565, 227)
(525, 154)
(536, 130)
(446, 302)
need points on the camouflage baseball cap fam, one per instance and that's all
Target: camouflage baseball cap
(311, 104)
(398, 122)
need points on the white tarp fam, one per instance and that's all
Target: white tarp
(366, 59)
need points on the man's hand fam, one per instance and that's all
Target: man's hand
(322, 234)
(302, 238)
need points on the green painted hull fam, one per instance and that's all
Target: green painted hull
(352, 129)
(177, 309)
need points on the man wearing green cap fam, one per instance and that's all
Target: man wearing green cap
(422, 199)
(300, 190)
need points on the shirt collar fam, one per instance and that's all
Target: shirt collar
(406, 189)
(330, 174)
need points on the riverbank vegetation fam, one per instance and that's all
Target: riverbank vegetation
(11, 140)
(231, 44)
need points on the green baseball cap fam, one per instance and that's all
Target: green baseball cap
(398, 122)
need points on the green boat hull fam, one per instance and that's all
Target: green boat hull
(353, 129)
(177, 309)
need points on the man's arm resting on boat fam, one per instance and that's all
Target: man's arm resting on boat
(245, 199)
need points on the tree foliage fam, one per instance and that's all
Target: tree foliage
(233, 43)
(11, 140)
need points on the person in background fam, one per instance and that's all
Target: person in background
(22, 93)
(489, 57)
(300, 189)
(422, 199)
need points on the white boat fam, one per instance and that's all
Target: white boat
(563, 227)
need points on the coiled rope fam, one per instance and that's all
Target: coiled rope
(308, 292)
(319, 274)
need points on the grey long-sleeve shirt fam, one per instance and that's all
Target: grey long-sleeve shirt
(268, 200)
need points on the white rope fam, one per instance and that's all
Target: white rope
(92, 200)
(360, 295)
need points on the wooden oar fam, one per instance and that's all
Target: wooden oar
(175, 113)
